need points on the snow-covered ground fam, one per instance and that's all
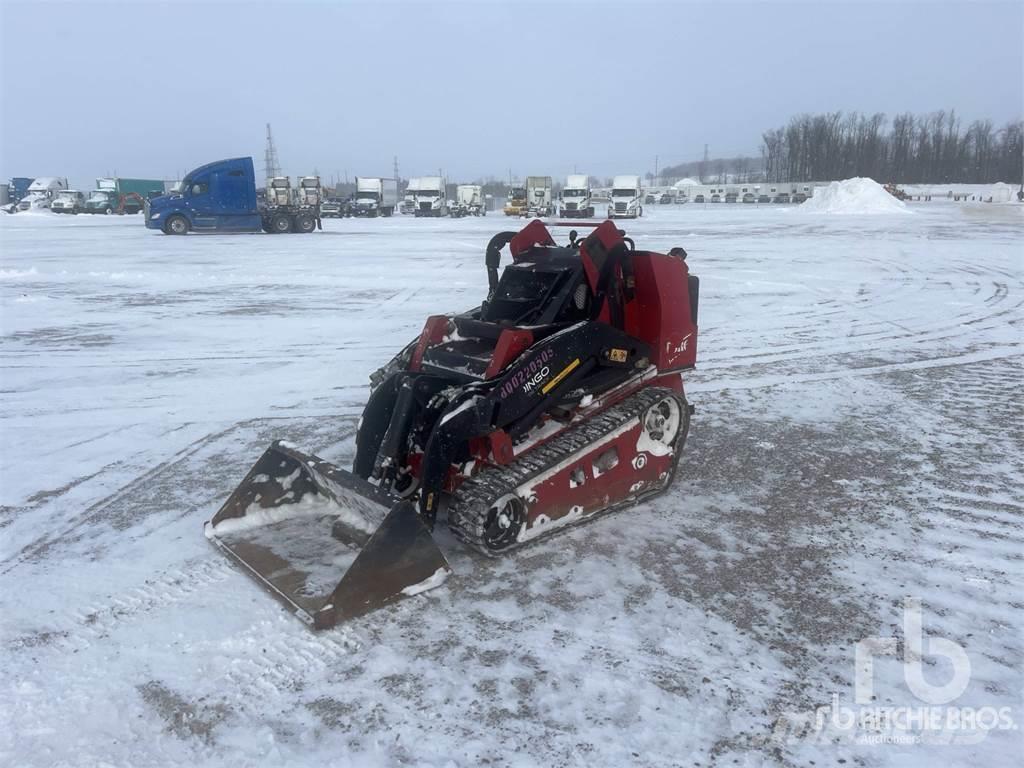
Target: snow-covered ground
(857, 440)
(999, 192)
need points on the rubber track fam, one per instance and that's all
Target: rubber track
(467, 514)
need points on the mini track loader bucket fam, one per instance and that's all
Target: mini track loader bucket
(327, 543)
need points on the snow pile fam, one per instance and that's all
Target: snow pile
(687, 182)
(13, 274)
(857, 195)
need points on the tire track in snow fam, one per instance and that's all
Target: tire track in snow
(100, 619)
(891, 302)
(965, 517)
(717, 384)
(103, 617)
(172, 487)
(276, 655)
(96, 510)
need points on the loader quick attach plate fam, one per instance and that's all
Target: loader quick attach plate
(325, 542)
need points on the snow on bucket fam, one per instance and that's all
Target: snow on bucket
(328, 544)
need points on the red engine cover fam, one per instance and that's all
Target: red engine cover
(660, 312)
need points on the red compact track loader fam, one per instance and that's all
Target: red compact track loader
(559, 398)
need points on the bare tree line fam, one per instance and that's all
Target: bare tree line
(739, 169)
(912, 149)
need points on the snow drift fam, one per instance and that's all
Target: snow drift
(857, 195)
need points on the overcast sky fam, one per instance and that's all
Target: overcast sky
(154, 89)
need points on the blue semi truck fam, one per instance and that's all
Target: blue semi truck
(221, 197)
(19, 187)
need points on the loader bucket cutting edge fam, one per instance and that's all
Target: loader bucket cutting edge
(325, 542)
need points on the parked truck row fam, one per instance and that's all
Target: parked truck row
(111, 195)
(373, 196)
(223, 197)
(535, 198)
(41, 192)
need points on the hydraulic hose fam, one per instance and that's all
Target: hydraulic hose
(493, 259)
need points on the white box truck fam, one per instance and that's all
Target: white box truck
(431, 197)
(627, 198)
(576, 202)
(375, 196)
(469, 201)
(68, 201)
(538, 196)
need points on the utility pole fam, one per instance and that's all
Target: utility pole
(655, 170)
(395, 171)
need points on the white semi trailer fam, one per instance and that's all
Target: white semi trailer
(627, 198)
(469, 201)
(431, 197)
(576, 197)
(41, 192)
(538, 196)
